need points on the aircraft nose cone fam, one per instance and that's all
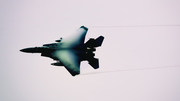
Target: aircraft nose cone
(24, 50)
(33, 50)
(27, 50)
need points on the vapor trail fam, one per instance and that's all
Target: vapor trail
(134, 26)
(130, 70)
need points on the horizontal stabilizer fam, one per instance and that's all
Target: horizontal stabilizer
(95, 42)
(94, 62)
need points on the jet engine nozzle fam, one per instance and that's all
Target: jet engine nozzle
(91, 49)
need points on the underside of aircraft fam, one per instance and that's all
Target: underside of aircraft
(69, 52)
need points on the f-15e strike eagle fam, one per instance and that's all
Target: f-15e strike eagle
(71, 51)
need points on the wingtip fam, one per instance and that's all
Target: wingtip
(84, 27)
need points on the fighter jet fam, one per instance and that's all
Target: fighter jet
(69, 52)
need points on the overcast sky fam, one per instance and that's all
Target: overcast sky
(143, 48)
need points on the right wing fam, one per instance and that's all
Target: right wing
(69, 59)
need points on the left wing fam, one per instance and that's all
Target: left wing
(69, 59)
(76, 40)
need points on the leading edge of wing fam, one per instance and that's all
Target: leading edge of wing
(69, 59)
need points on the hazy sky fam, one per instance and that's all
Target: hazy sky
(134, 51)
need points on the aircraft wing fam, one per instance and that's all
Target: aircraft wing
(76, 40)
(69, 59)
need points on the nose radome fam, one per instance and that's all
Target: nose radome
(27, 50)
(22, 50)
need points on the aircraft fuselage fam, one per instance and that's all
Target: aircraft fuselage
(47, 50)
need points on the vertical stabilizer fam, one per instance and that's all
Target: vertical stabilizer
(95, 42)
(99, 41)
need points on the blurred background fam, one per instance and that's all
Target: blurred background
(139, 58)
